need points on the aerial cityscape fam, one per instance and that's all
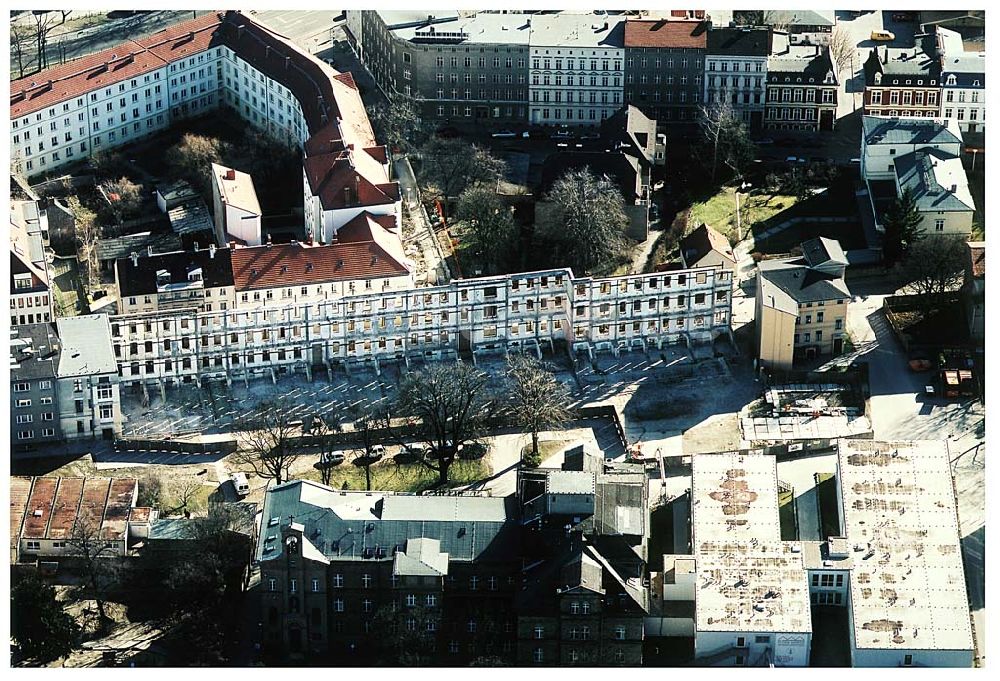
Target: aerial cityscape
(497, 338)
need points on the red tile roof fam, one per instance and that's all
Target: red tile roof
(107, 67)
(691, 34)
(331, 102)
(120, 499)
(39, 510)
(261, 267)
(66, 509)
(20, 489)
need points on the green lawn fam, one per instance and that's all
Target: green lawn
(826, 493)
(719, 211)
(391, 477)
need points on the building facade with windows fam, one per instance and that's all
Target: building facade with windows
(34, 363)
(344, 574)
(664, 68)
(904, 81)
(89, 403)
(963, 91)
(801, 305)
(577, 68)
(736, 71)
(801, 87)
(30, 294)
(217, 60)
(201, 279)
(532, 311)
(454, 66)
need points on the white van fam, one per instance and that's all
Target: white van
(240, 483)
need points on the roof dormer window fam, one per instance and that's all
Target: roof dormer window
(878, 78)
(952, 81)
(195, 274)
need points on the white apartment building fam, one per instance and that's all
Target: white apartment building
(885, 139)
(963, 85)
(30, 290)
(736, 71)
(220, 59)
(237, 210)
(89, 403)
(494, 314)
(577, 69)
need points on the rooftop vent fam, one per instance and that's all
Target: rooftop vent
(230, 174)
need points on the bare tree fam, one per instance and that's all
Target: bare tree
(452, 165)
(321, 431)
(841, 48)
(535, 398)
(269, 440)
(183, 491)
(451, 405)
(726, 136)
(588, 221)
(45, 22)
(368, 422)
(123, 196)
(21, 38)
(776, 19)
(491, 229)
(398, 123)
(933, 266)
(87, 233)
(151, 490)
(95, 559)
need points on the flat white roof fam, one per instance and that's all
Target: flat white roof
(748, 580)
(570, 30)
(238, 191)
(907, 584)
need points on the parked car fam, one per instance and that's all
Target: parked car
(562, 135)
(504, 133)
(377, 452)
(240, 483)
(883, 36)
(331, 458)
(591, 135)
(792, 159)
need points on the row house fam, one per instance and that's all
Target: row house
(88, 399)
(963, 84)
(577, 68)
(235, 205)
(801, 87)
(904, 81)
(736, 71)
(202, 279)
(664, 67)
(113, 97)
(492, 314)
(30, 290)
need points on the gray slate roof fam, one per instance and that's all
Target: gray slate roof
(569, 482)
(346, 525)
(802, 283)
(929, 175)
(822, 250)
(34, 352)
(737, 42)
(124, 246)
(908, 130)
(422, 557)
(801, 17)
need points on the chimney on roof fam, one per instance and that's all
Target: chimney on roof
(135, 259)
(954, 188)
(195, 246)
(239, 31)
(149, 250)
(309, 238)
(288, 62)
(211, 251)
(230, 174)
(268, 241)
(374, 260)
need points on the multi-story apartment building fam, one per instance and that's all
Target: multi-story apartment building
(236, 208)
(217, 60)
(339, 568)
(530, 310)
(904, 81)
(577, 69)
(801, 87)
(455, 67)
(921, 155)
(736, 71)
(89, 404)
(802, 305)
(584, 537)
(34, 364)
(30, 294)
(200, 279)
(664, 67)
(963, 83)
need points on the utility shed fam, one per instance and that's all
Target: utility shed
(909, 605)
